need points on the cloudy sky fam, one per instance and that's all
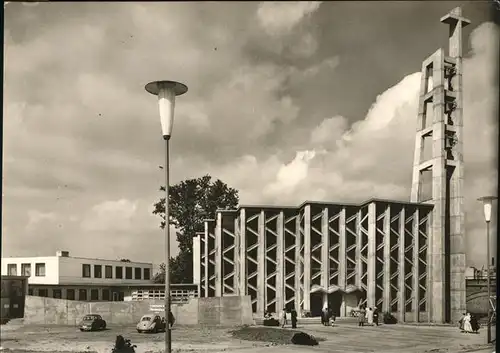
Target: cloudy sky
(286, 102)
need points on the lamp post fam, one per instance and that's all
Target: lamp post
(487, 205)
(166, 91)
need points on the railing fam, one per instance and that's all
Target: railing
(484, 278)
(178, 296)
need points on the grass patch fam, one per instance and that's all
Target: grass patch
(267, 334)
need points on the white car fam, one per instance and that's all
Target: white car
(151, 323)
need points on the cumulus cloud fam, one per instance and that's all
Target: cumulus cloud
(110, 215)
(281, 17)
(291, 174)
(35, 217)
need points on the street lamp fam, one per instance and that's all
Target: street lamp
(166, 91)
(487, 205)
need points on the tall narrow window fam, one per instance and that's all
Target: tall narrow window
(40, 270)
(97, 271)
(138, 273)
(119, 272)
(26, 270)
(128, 272)
(94, 294)
(85, 270)
(105, 294)
(82, 294)
(12, 269)
(108, 271)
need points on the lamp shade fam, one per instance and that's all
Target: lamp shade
(166, 92)
(487, 206)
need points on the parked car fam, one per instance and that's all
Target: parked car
(92, 322)
(151, 323)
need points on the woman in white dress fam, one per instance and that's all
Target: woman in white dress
(369, 316)
(467, 325)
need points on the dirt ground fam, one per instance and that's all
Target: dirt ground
(70, 339)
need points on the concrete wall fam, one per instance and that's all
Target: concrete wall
(230, 311)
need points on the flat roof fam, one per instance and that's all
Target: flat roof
(325, 203)
(79, 258)
(112, 285)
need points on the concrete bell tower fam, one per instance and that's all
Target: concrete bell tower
(439, 157)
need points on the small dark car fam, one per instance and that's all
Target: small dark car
(92, 322)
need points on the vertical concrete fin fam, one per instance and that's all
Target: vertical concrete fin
(307, 258)
(280, 252)
(416, 273)
(261, 258)
(387, 259)
(243, 253)
(371, 258)
(401, 259)
(325, 249)
(359, 245)
(218, 255)
(342, 258)
(206, 281)
(237, 255)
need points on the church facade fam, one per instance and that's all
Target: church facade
(374, 254)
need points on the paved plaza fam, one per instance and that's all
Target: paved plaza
(349, 338)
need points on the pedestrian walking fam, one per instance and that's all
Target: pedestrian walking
(361, 317)
(324, 315)
(474, 324)
(293, 316)
(331, 318)
(375, 316)
(284, 318)
(461, 322)
(369, 316)
(467, 325)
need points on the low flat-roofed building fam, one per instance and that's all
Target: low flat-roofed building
(78, 278)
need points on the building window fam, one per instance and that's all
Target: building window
(138, 273)
(94, 294)
(119, 272)
(108, 271)
(26, 270)
(43, 293)
(128, 272)
(30, 291)
(147, 274)
(86, 271)
(12, 269)
(70, 294)
(40, 270)
(105, 294)
(97, 271)
(82, 294)
(56, 293)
